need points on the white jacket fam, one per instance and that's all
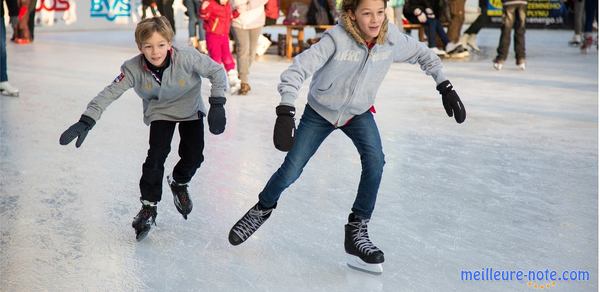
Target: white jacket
(252, 13)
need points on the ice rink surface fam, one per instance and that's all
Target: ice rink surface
(513, 188)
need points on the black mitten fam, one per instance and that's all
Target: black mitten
(285, 128)
(78, 130)
(216, 115)
(451, 102)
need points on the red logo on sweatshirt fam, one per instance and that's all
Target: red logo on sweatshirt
(119, 78)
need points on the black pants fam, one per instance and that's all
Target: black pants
(165, 7)
(190, 153)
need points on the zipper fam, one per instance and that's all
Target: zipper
(356, 84)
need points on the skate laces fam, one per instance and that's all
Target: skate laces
(361, 237)
(147, 212)
(251, 222)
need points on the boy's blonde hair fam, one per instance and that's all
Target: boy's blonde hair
(148, 26)
(353, 4)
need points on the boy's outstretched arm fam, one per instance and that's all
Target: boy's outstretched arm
(96, 107)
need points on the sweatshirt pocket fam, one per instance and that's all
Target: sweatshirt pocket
(328, 96)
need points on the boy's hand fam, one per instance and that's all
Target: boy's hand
(451, 102)
(78, 130)
(216, 115)
(285, 128)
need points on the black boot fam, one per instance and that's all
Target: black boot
(364, 255)
(143, 221)
(181, 197)
(249, 223)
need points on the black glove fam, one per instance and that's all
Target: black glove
(216, 115)
(78, 130)
(285, 128)
(451, 102)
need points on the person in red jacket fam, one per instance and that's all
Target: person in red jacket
(271, 12)
(217, 16)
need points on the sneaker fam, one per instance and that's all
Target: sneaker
(244, 88)
(250, 222)
(364, 255)
(181, 197)
(521, 64)
(8, 90)
(143, 221)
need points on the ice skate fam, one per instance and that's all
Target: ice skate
(234, 82)
(202, 47)
(498, 65)
(249, 223)
(181, 197)
(588, 42)
(439, 53)
(363, 255)
(575, 41)
(143, 221)
(521, 64)
(8, 90)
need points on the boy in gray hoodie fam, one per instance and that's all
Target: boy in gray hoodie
(348, 65)
(168, 80)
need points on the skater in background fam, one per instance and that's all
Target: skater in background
(514, 14)
(348, 65)
(247, 27)
(168, 79)
(149, 4)
(165, 7)
(578, 17)
(195, 27)
(591, 14)
(469, 37)
(13, 12)
(217, 17)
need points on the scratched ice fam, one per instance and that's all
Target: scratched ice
(515, 187)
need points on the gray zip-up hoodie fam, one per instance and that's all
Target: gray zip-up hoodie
(347, 74)
(176, 98)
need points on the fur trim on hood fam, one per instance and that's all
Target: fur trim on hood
(352, 29)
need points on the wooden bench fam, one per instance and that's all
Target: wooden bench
(299, 35)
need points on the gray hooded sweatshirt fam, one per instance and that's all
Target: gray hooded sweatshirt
(347, 75)
(176, 98)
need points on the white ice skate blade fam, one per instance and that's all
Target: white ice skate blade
(6, 93)
(356, 263)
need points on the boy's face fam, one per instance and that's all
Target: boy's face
(369, 16)
(155, 49)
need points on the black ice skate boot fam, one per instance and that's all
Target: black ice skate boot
(251, 221)
(363, 255)
(181, 197)
(143, 221)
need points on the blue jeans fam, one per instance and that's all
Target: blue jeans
(195, 23)
(3, 74)
(312, 131)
